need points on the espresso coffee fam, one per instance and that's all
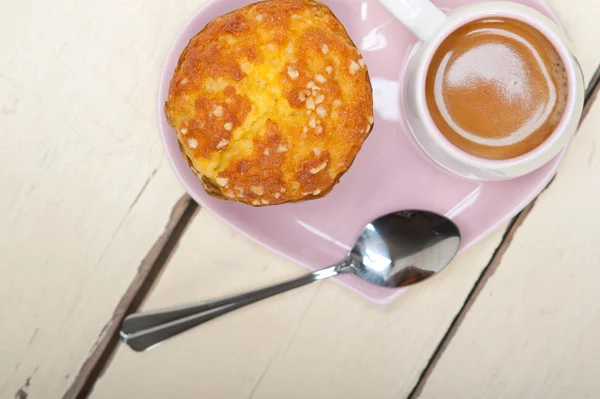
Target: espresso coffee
(496, 88)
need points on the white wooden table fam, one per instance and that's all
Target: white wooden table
(93, 223)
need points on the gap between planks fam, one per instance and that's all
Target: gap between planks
(590, 96)
(158, 257)
(148, 272)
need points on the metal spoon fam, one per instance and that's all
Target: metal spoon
(395, 250)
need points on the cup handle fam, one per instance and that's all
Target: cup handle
(420, 16)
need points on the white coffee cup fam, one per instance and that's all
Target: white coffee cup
(432, 26)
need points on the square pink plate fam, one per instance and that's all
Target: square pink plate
(390, 173)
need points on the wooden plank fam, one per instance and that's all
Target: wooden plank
(533, 331)
(580, 20)
(148, 272)
(318, 341)
(593, 81)
(495, 261)
(86, 188)
(87, 120)
(579, 26)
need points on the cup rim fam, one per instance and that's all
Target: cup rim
(513, 11)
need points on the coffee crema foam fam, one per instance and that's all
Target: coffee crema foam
(497, 88)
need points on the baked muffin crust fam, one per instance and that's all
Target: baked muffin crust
(271, 103)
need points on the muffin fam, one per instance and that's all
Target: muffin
(271, 103)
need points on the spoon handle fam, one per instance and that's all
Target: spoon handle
(142, 331)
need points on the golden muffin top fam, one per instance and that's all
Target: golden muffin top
(271, 102)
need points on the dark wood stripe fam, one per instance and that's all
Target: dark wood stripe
(495, 261)
(149, 271)
(591, 93)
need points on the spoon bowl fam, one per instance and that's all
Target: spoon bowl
(395, 250)
(403, 248)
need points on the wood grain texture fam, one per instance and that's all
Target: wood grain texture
(150, 268)
(320, 341)
(86, 188)
(534, 330)
(486, 273)
(580, 20)
(89, 194)
(591, 93)
(579, 25)
(314, 343)
(496, 260)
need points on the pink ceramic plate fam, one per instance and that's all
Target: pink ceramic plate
(390, 173)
